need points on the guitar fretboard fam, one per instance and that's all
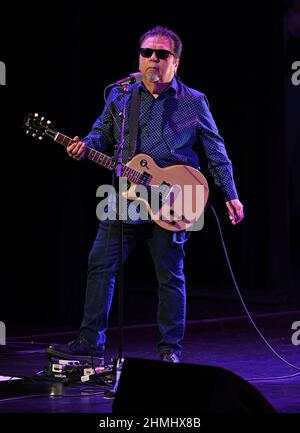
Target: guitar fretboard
(107, 162)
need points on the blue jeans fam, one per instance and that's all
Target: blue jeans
(168, 260)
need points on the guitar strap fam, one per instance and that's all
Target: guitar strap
(134, 120)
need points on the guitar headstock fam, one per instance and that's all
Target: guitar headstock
(39, 127)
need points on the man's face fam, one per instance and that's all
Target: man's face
(154, 69)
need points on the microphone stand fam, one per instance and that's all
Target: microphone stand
(117, 174)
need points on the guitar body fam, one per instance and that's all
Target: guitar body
(184, 192)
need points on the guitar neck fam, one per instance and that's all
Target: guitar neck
(39, 126)
(93, 155)
(102, 159)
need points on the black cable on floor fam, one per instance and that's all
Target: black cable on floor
(247, 311)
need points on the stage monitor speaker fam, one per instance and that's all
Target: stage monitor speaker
(156, 387)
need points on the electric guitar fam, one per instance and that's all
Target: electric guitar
(175, 197)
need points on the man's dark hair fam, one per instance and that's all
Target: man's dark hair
(166, 33)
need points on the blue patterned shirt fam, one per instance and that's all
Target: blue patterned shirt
(173, 129)
(177, 127)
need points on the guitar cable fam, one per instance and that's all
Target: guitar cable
(248, 313)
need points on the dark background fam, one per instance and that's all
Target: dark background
(59, 58)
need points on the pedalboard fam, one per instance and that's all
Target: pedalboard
(72, 370)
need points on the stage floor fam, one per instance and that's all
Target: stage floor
(230, 342)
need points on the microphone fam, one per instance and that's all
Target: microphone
(135, 77)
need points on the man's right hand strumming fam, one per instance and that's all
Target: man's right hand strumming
(77, 149)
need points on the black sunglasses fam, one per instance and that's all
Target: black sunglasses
(160, 54)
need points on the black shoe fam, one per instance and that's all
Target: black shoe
(79, 349)
(169, 357)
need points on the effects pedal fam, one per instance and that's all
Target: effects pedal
(73, 370)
